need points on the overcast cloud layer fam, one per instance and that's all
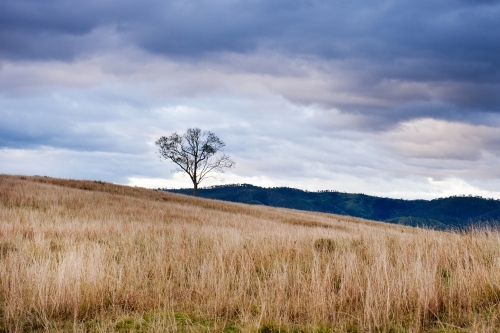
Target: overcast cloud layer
(389, 98)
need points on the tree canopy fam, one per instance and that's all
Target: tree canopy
(195, 152)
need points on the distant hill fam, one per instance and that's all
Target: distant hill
(444, 213)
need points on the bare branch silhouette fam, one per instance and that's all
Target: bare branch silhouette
(194, 153)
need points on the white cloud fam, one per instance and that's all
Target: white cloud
(442, 140)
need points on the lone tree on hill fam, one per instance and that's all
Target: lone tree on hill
(194, 152)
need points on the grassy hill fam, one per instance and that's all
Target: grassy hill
(443, 214)
(86, 256)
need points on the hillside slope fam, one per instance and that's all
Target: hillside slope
(445, 213)
(87, 256)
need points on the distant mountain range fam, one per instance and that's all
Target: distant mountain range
(456, 212)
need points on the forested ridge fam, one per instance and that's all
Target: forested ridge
(443, 213)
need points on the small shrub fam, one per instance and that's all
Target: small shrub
(126, 325)
(325, 245)
(270, 328)
(54, 246)
(231, 329)
(6, 248)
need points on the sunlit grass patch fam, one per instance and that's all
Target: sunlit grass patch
(118, 259)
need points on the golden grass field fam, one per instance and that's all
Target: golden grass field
(84, 256)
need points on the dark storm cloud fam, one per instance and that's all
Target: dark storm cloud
(382, 119)
(378, 30)
(56, 29)
(404, 59)
(441, 37)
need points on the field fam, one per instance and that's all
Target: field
(86, 256)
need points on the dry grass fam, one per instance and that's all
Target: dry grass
(88, 256)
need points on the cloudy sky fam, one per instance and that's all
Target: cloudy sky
(390, 98)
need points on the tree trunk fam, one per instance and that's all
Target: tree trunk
(195, 189)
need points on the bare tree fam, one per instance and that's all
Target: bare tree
(194, 152)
